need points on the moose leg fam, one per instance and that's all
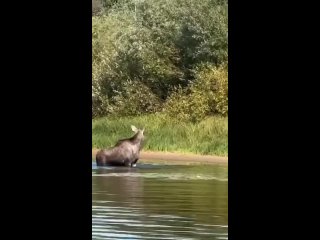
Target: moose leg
(133, 164)
(101, 159)
(127, 163)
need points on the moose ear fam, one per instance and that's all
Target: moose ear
(134, 129)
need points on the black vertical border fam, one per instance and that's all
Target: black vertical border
(47, 64)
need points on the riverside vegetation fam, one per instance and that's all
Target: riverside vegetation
(161, 65)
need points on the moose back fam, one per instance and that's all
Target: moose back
(126, 152)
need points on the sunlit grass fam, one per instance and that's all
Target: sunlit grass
(209, 136)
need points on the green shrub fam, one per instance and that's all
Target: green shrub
(157, 43)
(213, 83)
(207, 95)
(184, 106)
(135, 99)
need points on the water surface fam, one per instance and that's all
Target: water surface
(156, 201)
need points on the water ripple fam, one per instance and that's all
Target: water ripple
(160, 205)
(162, 175)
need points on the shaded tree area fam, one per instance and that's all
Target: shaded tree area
(160, 56)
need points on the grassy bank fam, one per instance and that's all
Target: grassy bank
(210, 136)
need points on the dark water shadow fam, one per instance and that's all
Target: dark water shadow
(139, 166)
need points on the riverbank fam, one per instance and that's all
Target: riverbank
(176, 158)
(162, 134)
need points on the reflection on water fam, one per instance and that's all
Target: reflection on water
(160, 202)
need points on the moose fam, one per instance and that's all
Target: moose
(126, 152)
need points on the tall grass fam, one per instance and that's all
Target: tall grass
(209, 136)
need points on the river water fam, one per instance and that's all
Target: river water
(157, 201)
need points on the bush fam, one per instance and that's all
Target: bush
(157, 45)
(213, 83)
(207, 95)
(184, 106)
(135, 99)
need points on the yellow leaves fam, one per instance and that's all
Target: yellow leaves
(207, 95)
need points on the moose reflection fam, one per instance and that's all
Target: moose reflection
(126, 152)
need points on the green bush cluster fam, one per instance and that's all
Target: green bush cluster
(141, 100)
(207, 95)
(157, 48)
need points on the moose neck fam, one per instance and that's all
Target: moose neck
(136, 139)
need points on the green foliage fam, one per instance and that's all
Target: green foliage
(135, 99)
(212, 83)
(156, 45)
(186, 107)
(207, 95)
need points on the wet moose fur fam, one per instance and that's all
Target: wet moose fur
(126, 152)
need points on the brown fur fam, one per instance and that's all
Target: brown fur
(126, 152)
